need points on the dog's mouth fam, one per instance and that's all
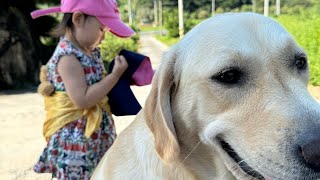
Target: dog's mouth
(238, 160)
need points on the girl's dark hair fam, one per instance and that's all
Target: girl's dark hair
(64, 25)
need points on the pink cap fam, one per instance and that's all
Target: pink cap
(105, 10)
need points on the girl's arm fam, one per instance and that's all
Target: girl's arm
(82, 95)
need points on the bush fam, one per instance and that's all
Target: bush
(305, 28)
(171, 22)
(112, 45)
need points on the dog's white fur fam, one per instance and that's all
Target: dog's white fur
(263, 116)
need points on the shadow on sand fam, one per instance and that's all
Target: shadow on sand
(32, 89)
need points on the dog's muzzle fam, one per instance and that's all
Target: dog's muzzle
(237, 159)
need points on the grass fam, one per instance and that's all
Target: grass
(167, 40)
(148, 27)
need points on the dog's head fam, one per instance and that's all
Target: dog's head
(238, 83)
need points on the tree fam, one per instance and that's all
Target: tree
(135, 10)
(155, 10)
(266, 8)
(21, 51)
(254, 5)
(213, 7)
(181, 27)
(130, 12)
(277, 7)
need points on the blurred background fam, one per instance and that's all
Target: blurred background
(25, 44)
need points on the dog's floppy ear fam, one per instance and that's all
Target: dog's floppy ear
(157, 110)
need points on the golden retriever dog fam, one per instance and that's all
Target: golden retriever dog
(229, 101)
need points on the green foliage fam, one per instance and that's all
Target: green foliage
(228, 5)
(141, 10)
(300, 18)
(305, 28)
(167, 40)
(112, 45)
(171, 22)
(192, 19)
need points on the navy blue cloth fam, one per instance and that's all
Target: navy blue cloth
(121, 98)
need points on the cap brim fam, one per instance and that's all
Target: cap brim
(37, 13)
(117, 27)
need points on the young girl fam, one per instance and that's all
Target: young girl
(79, 128)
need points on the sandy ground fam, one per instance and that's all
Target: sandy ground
(22, 115)
(21, 119)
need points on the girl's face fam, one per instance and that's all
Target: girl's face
(89, 32)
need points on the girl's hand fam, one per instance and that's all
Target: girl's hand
(120, 65)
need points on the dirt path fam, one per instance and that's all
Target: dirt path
(21, 120)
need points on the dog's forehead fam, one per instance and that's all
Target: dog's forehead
(247, 34)
(238, 28)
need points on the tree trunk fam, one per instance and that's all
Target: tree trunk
(277, 7)
(266, 8)
(155, 11)
(213, 7)
(130, 12)
(181, 23)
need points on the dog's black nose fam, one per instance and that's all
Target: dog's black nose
(310, 149)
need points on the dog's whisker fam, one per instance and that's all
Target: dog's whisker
(227, 170)
(189, 153)
(258, 169)
(235, 165)
(244, 160)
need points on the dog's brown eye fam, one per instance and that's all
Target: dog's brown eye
(301, 63)
(228, 76)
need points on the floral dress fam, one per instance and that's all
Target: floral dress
(69, 154)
